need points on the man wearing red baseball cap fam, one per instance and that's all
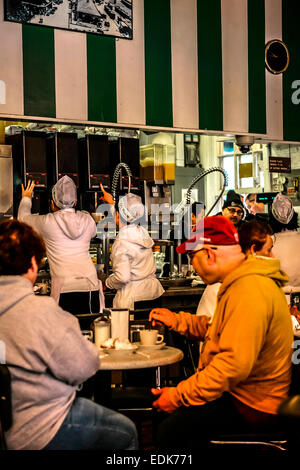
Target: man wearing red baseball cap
(245, 364)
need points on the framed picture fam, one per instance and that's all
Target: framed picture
(106, 17)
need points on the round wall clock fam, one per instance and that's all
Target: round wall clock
(277, 56)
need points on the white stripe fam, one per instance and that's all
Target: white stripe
(184, 63)
(235, 65)
(274, 100)
(70, 75)
(11, 67)
(130, 70)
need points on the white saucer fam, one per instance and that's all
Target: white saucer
(102, 355)
(152, 346)
(118, 351)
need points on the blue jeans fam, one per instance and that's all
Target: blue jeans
(89, 426)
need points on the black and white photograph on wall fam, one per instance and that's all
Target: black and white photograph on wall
(106, 17)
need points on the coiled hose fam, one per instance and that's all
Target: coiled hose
(199, 177)
(116, 178)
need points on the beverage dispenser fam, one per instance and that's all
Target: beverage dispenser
(66, 156)
(94, 168)
(31, 162)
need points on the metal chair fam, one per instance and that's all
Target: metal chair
(285, 438)
(5, 404)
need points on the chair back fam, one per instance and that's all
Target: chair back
(5, 398)
(295, 381)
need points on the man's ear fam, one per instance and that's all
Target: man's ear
(211, 256)
(34, 267)
(32, 271)
(252, 249)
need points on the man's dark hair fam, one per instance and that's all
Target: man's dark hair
(18, 244)
(254, 233)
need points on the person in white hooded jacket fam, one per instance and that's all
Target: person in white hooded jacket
(67, 234)
(132, 258)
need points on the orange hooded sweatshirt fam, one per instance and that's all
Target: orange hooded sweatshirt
(248, 344)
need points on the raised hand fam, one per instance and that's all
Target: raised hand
(27, 192)
(107, 197)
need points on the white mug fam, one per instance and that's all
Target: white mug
(150, 337)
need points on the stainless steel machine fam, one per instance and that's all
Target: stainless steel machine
(6, 182)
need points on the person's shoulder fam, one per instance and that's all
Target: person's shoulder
(45, 307)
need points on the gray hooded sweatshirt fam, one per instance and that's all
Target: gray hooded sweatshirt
(48, 359)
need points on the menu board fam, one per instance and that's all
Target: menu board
(279, 164)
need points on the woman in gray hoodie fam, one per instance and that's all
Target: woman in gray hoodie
(48, 359)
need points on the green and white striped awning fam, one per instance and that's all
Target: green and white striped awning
(192, 65)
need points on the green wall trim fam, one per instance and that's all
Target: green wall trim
(290, 35)
(38, 71)
(210, 65)
(256, 67)
(158, 66)
(101, 78)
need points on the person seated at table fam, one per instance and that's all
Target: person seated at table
(255, 239)
(132, 258)
(48, 359)
(244, 369)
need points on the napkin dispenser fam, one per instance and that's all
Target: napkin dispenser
(102, 329)
(119, 318)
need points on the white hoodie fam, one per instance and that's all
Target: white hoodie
(133, 268)
(67, 234)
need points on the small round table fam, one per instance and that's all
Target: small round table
(139, 359)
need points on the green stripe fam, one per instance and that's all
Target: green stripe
(101, 78)
(256, 66)
(291, 37)
(38, 71)
(158, 67)
(210, 64)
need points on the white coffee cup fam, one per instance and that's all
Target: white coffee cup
(150, 337)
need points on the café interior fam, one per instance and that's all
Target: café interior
(169, 165)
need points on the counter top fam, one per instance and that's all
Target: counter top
(173, 291)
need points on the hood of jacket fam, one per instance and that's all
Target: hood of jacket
(256, 265)
(72, 224)
(13, 289)
(137, 235)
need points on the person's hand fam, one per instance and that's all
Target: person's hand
(162, 315)
(27, 192)
(107, 197)
(163, 402)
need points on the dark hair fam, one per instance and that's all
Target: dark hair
(249, 195)
(279, 226)
(195, 206)
(18, 244)
(254, 233)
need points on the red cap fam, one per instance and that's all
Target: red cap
(214, 230)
